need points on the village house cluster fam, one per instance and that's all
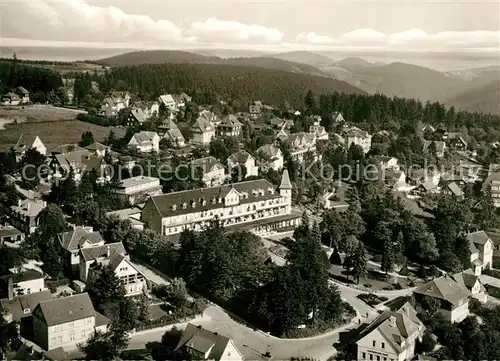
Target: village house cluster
(248, 203)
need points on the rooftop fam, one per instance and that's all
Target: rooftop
(67, 309)
(75, 238)
(202, 340)
(139, 180)
(444, 288)
(22, 306)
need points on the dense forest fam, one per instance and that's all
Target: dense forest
(228, 82)
(36, 80)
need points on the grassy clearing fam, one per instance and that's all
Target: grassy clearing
(54, 133)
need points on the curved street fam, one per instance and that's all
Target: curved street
(253, 343)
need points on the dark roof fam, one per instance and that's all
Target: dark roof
(91, 253)
(494, 236)
(465, 279)
(396, 327)
(17, 305)
(68, 148)
(239, 157)
(477, 238)
(24, 142)
(206, 163)
(72, 240)
(27, 275)
(202, 340)
(100, 319)
(97, 146)
(444, 288)
(231, 121)
(207, 198)
(67, 309)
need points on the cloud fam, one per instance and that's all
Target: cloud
(76, 20)
(314, 38)
(411, 39)
(214, 30)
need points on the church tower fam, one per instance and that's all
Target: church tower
(285, 189)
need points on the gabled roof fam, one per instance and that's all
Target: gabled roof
(11, 96)
(19, 304)
(455, 189)
(397, 327)
(239, 157)
(202, 340)
(144, 136)
(66, 309)
(444, 288)
(68, 148)
(202, 125)
(25, 142)
(206, 163)
(465, 279)
(231, 121)
(494, 236)
(175, 135)
(23, 90)
(75, 238)
(269, 150)
(97, 146)
(138, 115)
(479, 238)
(440, 145)
(167, 98)
(92, 253)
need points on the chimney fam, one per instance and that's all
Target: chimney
(392, 321)
(108, 251)
(31, 350)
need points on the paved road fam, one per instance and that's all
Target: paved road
(253, 343)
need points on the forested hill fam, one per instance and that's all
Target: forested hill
(184, 57)
(229, 82)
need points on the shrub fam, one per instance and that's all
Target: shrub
(428, 342)
(475, 306)
(377, 258)
(398, 286)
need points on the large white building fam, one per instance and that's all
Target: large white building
(255, 205)
(137, 189)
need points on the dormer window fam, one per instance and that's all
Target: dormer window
(193, 204)
(26, 310)
(184, 205)
(213, 200)
(174, 207)
(203, 202)
(219, 200)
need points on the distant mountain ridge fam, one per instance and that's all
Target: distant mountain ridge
(185, 57)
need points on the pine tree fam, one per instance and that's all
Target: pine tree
(387, 257)
(358, 262)
(305, 220)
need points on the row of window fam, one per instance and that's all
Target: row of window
(377, 357)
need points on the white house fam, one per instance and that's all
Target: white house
(271, 156)
(481, 248)
(11, 99)
(24, 282)
(301, 144)
(354, 135)
(66, 322)
(392, 336)
(145, 142)
(25, 95)
(453, 298)
(29, 142)
(138, 189)
(203, 131)
(242, 159)
(93, 258)
(174, 135)
(213, 172)
(202, 344)
(318, 130)
(229, 126)
(98, 149)
(168, 101)
(472, 282)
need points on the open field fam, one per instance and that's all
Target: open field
(54, 133)
(38, 113)
(76, 67)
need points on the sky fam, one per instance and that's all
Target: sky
(442, 26)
